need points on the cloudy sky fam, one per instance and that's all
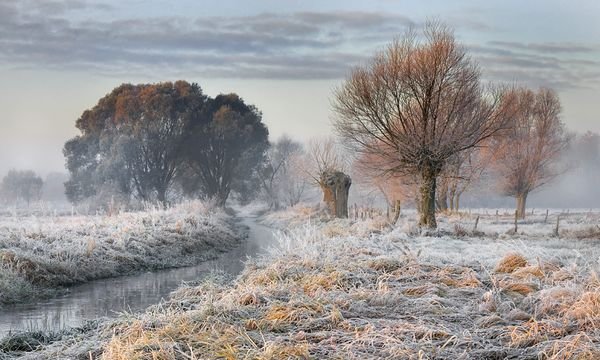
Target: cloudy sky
(58, 57)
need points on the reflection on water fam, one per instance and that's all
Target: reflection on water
(129, 293)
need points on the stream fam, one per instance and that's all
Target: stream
(109, 297)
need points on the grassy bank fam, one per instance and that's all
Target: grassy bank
(40, 255)
(352, 290)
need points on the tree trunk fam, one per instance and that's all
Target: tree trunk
(454, 196)
(418, 202)
(273, 200)
(442, 196)
(396, 212)
(336, 186)
(221, 197)
(521, 205)
(427, 193)
(161, 196)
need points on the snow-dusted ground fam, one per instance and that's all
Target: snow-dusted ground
(346, 289)
(41, 253)
(458, 241)
(577, 243)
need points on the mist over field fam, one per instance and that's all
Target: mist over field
(299, 180)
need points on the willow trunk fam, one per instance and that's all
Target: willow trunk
(427, 201)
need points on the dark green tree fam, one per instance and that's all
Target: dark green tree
(225, 146)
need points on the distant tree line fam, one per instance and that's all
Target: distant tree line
(21, 185)
(27, 187)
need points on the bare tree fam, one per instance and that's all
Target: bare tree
(294, 183)
(526, 154)
(392, 187)
(322, 155)
(277, 176)
(459, 173)
(414, 106)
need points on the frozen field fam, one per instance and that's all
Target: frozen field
(358, 290)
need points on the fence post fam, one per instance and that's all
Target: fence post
(476, 223)
(396, 212)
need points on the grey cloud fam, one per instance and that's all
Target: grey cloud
(562, 66)
(558, 73)
(302, 45)
(354, 19)
(297, 45)
(552, 48)
(521, 62)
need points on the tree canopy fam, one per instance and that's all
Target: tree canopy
(225, 146)
(141, 140)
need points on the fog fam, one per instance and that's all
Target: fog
(575, 185)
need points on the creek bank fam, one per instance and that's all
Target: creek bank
(41, 257)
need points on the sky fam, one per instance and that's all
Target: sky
(59, 57)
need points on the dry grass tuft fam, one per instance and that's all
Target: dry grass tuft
(385, 264)
(312, 283)
(579, 346)
(528, 273)
(277, 351)
(552, 300)
(418, 290)
(519, 288)
(460, 278)
(336, 228)
(510, 263)
(586, 310)
(250, 299)
(533, 332)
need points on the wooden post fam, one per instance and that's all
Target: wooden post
(546, 218)
(557, 225)
(396, 212)
(476, 223)
(516, 221)
(497, 219)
